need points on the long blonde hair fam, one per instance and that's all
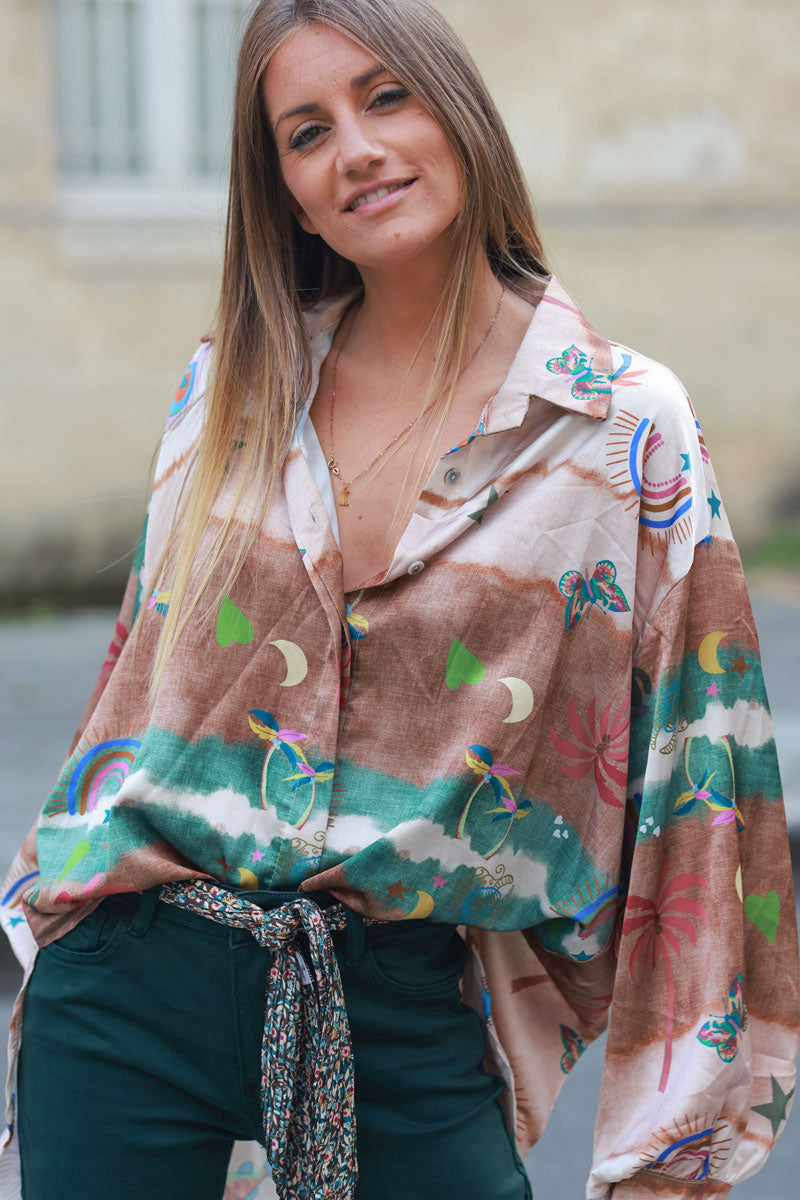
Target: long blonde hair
(273, 272)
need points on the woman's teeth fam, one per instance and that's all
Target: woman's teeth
(370, 197)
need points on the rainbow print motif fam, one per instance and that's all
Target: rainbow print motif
(96, 771)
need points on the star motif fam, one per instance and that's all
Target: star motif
(257, 855)
(439, 881)
(740, 666)
(687, 462)
(715, 502)
(775, 1112)
(226, 866)
(712, 690)
(396, 891)
(478, 516)
(14, 921)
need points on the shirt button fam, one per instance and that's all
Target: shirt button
(452, 476)
(416, 567)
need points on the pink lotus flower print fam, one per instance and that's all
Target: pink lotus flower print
(599, 745)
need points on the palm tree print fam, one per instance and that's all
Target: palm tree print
(479, 759)
(659, 926)
(511, 810)
(358, 625)
(599, 745)
(264, 725)
(726, 809)
(313, 775)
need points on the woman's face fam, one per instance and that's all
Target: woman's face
(345, 129)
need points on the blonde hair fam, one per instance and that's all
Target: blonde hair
(273, 271)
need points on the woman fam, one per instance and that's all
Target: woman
(415, 526)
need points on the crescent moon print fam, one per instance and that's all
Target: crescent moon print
(521, 699)
(707, 653)
(423, 907)
(247, 879)
(296, 662)
(661, 497)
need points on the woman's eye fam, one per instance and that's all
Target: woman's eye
(304, 136)
(390, 96)
(384, 99)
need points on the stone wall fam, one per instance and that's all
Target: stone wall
(659, 141)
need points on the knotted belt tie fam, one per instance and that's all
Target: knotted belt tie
(307, 1089)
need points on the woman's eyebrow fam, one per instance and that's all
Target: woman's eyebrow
(358, 81)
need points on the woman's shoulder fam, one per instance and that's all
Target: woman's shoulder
(651, 409)
(184, 419)
(648, 383)
(192, 384)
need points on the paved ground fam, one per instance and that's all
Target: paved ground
(47, 668)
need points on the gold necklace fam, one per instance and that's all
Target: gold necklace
(332, 463)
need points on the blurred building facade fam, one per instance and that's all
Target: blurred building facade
(658, 139)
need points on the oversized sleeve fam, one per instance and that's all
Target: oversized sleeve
(180, 434)
(699, 1070)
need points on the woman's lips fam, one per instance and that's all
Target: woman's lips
(376, 206)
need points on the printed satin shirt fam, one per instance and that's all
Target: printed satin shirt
(545, 722)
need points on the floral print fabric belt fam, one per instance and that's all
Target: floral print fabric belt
(307, 1088)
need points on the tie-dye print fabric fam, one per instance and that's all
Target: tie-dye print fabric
(545, 722)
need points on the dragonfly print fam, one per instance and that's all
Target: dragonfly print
(479, 759)
(599, 745)
(264, 725)
(726, 809)
(659, 925)
(584, 590)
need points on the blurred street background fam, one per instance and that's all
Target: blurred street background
(660, 143)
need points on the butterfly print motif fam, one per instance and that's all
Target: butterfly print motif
(573, 1048)
(723, 1033)
(600, 588)
(591, 383)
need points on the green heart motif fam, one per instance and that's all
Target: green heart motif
(233, 625)
(462, 666)
(764, 912)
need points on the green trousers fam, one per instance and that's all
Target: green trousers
(141, 1056)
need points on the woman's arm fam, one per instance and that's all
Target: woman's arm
(699, 1069)
(23, 872)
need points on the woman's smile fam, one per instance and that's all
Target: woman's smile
(379, 197)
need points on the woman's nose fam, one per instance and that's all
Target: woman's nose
(358, 146)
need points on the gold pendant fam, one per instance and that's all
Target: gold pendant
(344, 502)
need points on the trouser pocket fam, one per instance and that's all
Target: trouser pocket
(95, 934)
(422, 960)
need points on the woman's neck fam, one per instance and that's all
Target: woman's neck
(397, 312)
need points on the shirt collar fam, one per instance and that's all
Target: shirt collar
(562, 359)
